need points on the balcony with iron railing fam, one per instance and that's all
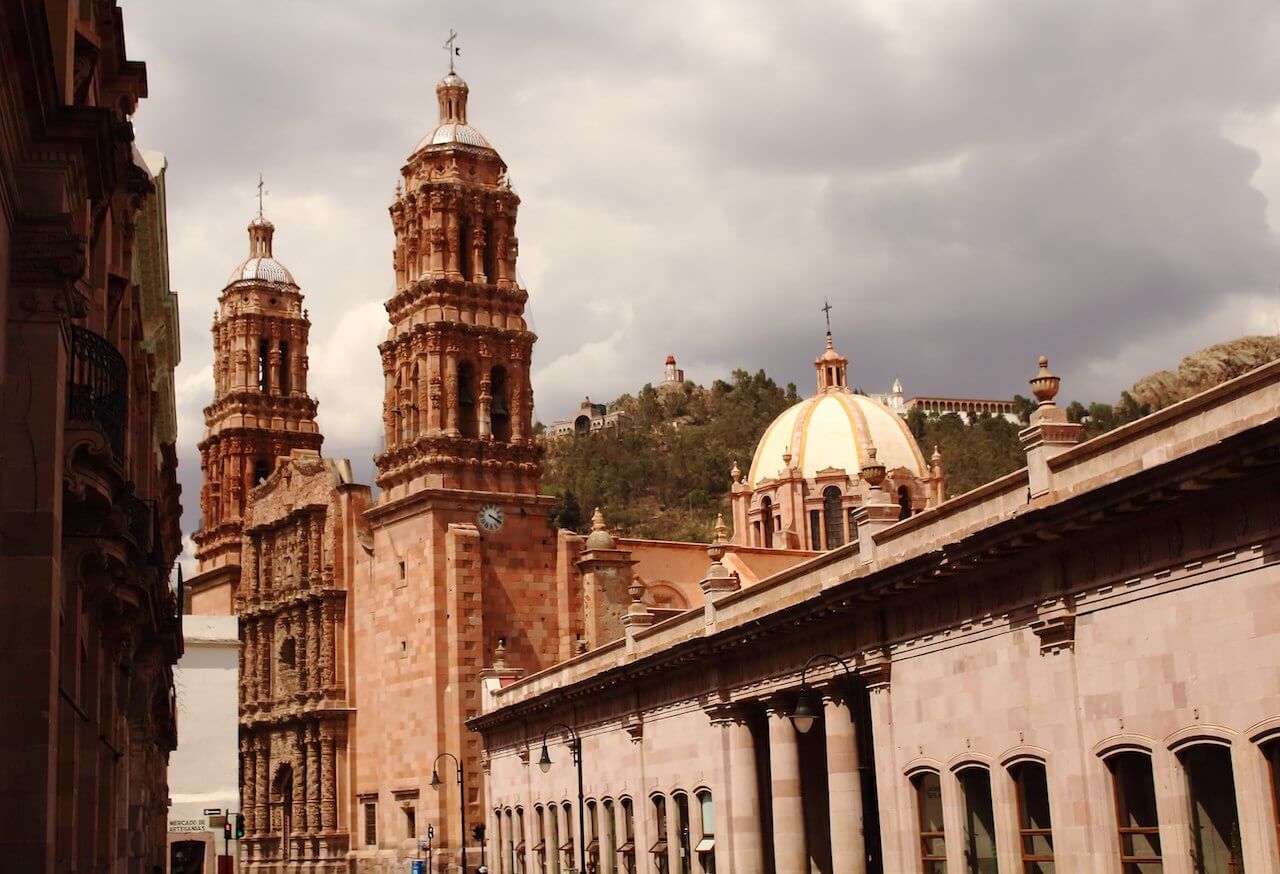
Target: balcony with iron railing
(97, 386)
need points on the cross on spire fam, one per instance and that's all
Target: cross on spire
(261, 192)
(826, 309)
(453, 50)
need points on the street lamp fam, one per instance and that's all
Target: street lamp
(544, 763)
(436, 782)
(807, 711)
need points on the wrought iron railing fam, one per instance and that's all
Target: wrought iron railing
(97, 380)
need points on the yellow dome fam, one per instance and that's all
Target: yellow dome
(834, 429)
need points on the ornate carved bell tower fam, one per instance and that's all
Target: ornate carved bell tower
(260, 410)
(458, 405)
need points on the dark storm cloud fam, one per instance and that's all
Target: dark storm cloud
(970, 184)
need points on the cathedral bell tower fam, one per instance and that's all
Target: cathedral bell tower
(458, 406)
(260, 410)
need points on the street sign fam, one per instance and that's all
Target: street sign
(212, 811)
(418, 867)
(422, 843)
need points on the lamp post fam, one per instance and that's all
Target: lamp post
(462, 802)
(544, 763)
(806, 712)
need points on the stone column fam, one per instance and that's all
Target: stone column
(314, 778)
(314, 680)
(328, 795)
(515, 381)
(451, 389)
(844, 789)
(746, 850)
(789, 851)
(328, 658)
(249, 774)
(262, 806)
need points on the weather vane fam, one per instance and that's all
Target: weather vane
(452, 49)
(826, 309)
(261, 192)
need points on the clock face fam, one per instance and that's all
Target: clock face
(490, 517)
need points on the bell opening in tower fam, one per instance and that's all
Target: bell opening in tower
(284, 367)
(264, 367)
(464, 248)
(468, 425)
(500, 415)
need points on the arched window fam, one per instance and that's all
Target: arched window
(685, 857)
(518, 853)
(465, 252)
(289, 653)
(553, 838)
(283, 388)
(581, 426)
(490, 253)
(627, 850)
(415, 426)
(904, 503)
(467, 423)
(933, 841)
(833, 518)
(979, 820)
(593, 835)
(1136, 821)
(567, 849)
(1215, 819)
(1271, 749)
(500, 407)
(1035, 829)
(706, 848)
(610, 848)
(540, 848)
(766, 517)
(658, 849)
(264, 366)
(284, 794)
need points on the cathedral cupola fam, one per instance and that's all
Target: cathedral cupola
(453, 129)
(260, 233)
(832, 368)
(452, 93)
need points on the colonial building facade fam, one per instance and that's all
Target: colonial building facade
(1071, 669)
(89, 501)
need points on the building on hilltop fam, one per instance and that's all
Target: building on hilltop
(672, 376)
(818, 463)
(89, 498)
(1071, 668)
(591, 418)
(965, 408)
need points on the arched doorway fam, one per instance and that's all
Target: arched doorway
(766, 519)
(833, 519)
(283, 791)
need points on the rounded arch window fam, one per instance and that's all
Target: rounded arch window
(467, 423)
(833, 518)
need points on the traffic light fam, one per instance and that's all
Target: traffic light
(226, 829)
(239, 826)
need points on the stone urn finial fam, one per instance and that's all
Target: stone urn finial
(1044, 385)
(873, 471)
(500, 653)
(599, 538)
(719, 541)
(735, 475)
(636, 591)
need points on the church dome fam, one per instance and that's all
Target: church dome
(834, 430)
(261, 265)
(451, 92)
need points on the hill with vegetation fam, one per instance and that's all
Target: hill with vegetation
(666, 475)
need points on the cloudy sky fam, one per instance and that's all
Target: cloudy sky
(970, 183)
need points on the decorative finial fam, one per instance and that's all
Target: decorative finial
(826, 309)
(453, 50)
(261, 191)
(721, 529)
(636, 591)
(1044, 385)
(597, 520)
(500, 653)
(735, 475)
(873, 471)
(937, 456)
